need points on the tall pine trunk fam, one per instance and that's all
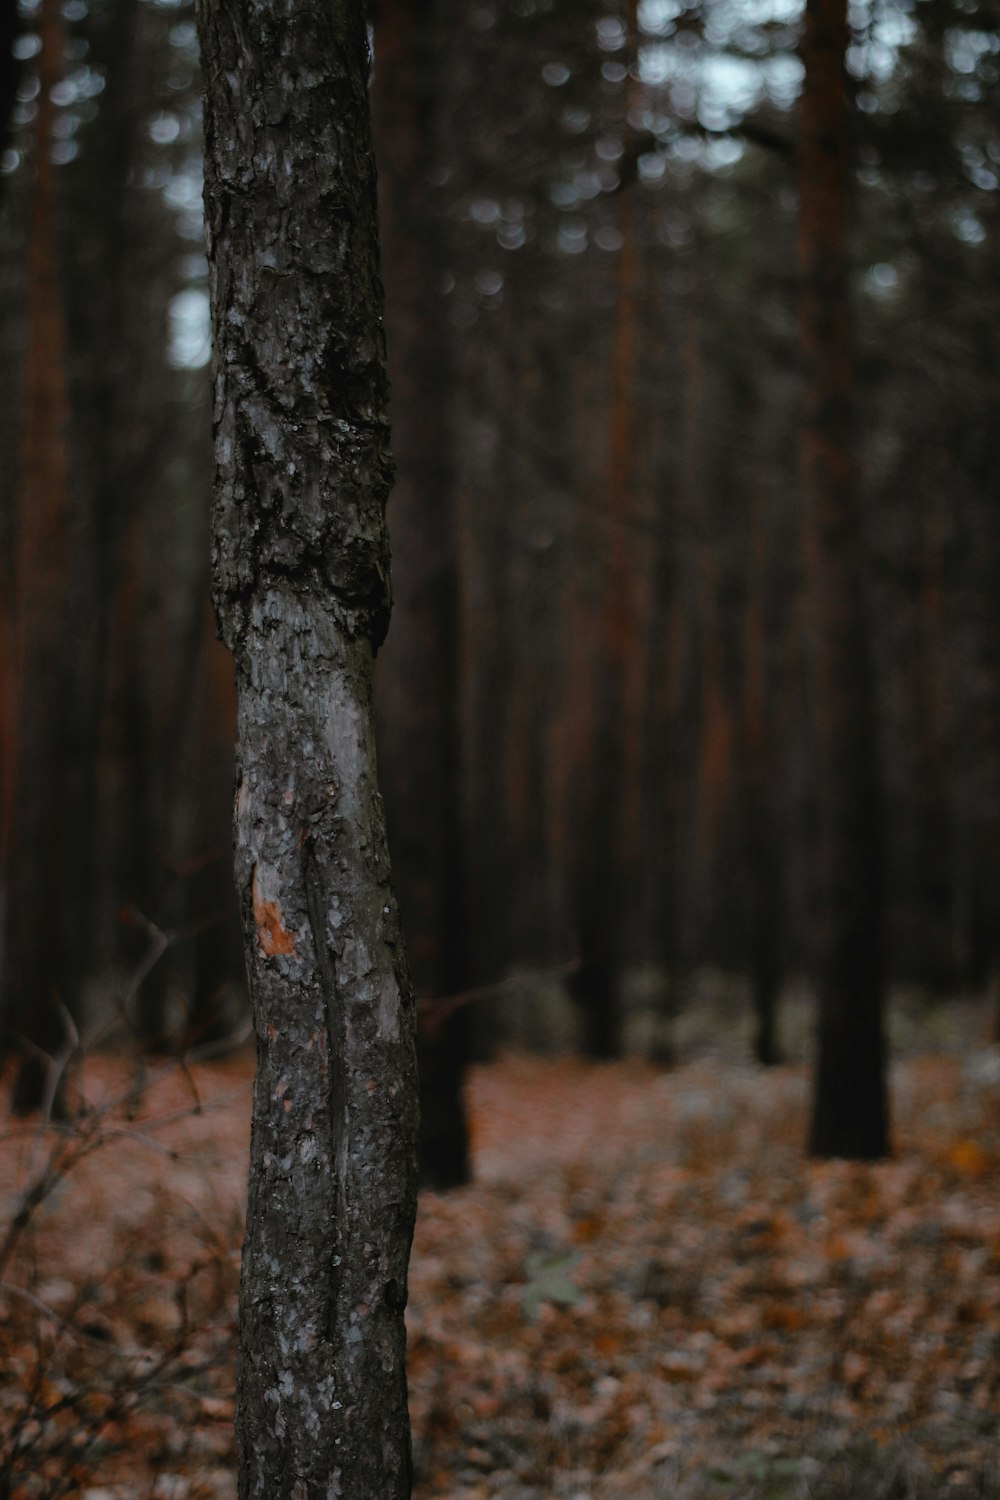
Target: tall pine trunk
(849, 1106)
(764, 875)
(301, 588)
(608, 867)
(417, 681)
(41, 958)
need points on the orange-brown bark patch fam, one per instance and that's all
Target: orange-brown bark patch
(271, 933)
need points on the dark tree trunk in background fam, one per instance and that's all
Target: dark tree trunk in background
(417, 678)
(301, 586)
(40, 944)
(713, 719)
(608, 867)
(217, 994)
(933, 943)
(849, 1106)
(763, 872)
(118, 742)
(10, 72)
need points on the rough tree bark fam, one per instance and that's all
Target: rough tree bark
(301, 587)
(849, 1106)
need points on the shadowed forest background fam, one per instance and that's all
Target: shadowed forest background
(600, 720)
(619, 734)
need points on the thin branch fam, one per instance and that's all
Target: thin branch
(434, 1010)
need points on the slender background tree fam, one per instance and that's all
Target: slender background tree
(41, 971)
(418, 692)
(849, 1109)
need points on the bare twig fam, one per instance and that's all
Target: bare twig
(434, 1010)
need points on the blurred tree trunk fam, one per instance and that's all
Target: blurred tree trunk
(117, 740)
(849, 1105)
(763, 870)
(933, 943)
(41, 961)
(11, 23)
(712, 709)
(576, 721)
(526, 641)
(609, 843)
(132, 798)
(668, 628)
(484, 534)
(301, 587)
(417, 679)
(218, 988)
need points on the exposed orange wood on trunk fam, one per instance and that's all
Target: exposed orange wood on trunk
(272, 936)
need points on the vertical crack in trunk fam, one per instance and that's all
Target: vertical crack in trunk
(336, 1080)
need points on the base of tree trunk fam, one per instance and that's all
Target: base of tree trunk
(595, 989)
(850, 1109)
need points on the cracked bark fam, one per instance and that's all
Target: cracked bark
(300, 574)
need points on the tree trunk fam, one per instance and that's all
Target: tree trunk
(932, 944)
(301, 587)
(764, 875)
(40, 954)
(417, 681)
(609, 865)
(849, 1107)
(11, 23)
(118, 788)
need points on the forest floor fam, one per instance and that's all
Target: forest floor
(647, 1292)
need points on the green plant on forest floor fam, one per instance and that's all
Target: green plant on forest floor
(548, 1280)
(865, 1471)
